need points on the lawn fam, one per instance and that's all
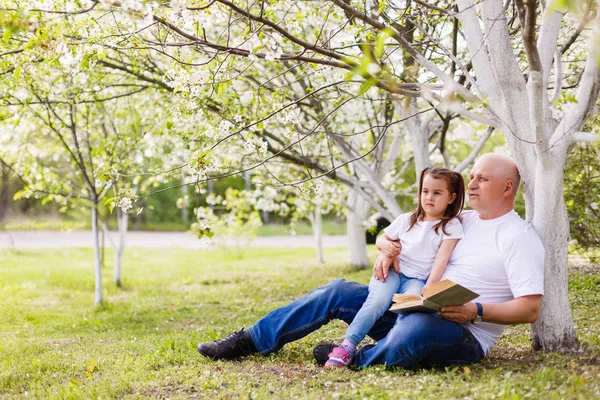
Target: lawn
(141, 344)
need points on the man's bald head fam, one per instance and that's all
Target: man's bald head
(503, 166)
(493, 186)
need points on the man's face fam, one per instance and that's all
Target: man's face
(485, 188)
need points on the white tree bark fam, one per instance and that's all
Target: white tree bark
(122, 220)
(370, 176)
(500, 79)
(98, 264)
(358, 211)
(475, 152)
(419, 136)
(316, 221)
(554, 328)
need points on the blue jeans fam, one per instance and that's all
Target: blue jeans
(378, 301)
(406, 340)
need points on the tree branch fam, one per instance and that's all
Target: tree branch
(453, 85)
(589, 17)
(588, 137)
(475, 152)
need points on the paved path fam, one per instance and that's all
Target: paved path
(56, 239)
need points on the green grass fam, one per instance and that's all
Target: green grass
(330, 227)
(55, 344)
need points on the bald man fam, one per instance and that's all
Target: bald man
(500, 257)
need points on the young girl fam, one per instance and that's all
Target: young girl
(427, 235)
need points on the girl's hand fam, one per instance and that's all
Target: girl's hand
(424, 290)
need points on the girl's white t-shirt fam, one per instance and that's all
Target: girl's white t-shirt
(420, 244)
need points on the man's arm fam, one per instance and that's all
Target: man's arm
(388, 246)
(390, 249)
(525, 309)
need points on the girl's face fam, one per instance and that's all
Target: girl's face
(435, 197)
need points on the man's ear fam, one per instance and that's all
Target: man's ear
(509, 187)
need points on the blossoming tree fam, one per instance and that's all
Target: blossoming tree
(498, 64)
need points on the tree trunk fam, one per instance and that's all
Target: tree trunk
(554, 328)
(98, 264)
(4, 191)
(419, 137)
(316, 222)
(358, 210)
(122, 219)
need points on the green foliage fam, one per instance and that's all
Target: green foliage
(582, 195)
(142, 343)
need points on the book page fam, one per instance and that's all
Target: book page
(406, 304)
(401, 298)
(439, 286)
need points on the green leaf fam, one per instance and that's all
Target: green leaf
(7, 35)
(380, 42)
(17, 72)
(111, 202)
(365, 86)
(562, 4)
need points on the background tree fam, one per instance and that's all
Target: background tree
(71, 139)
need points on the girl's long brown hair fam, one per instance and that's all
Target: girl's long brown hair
(456, 184)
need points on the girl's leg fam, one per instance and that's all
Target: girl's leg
(409, 285)
(376, 304)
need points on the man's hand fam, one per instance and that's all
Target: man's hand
(459, 314)
(382, 266)
(390, 248)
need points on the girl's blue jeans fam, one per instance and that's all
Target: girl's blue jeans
(402, 340)
(378, 301)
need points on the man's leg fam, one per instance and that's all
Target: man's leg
(422, 339)
(337, 300)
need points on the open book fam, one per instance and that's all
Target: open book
(440, 294)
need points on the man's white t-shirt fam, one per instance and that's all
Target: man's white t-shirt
(420, 244)
(501, 259)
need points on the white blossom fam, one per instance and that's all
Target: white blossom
(125, 204)
(373, 68)
(134, 5)
(177, 5)
(183, 202)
